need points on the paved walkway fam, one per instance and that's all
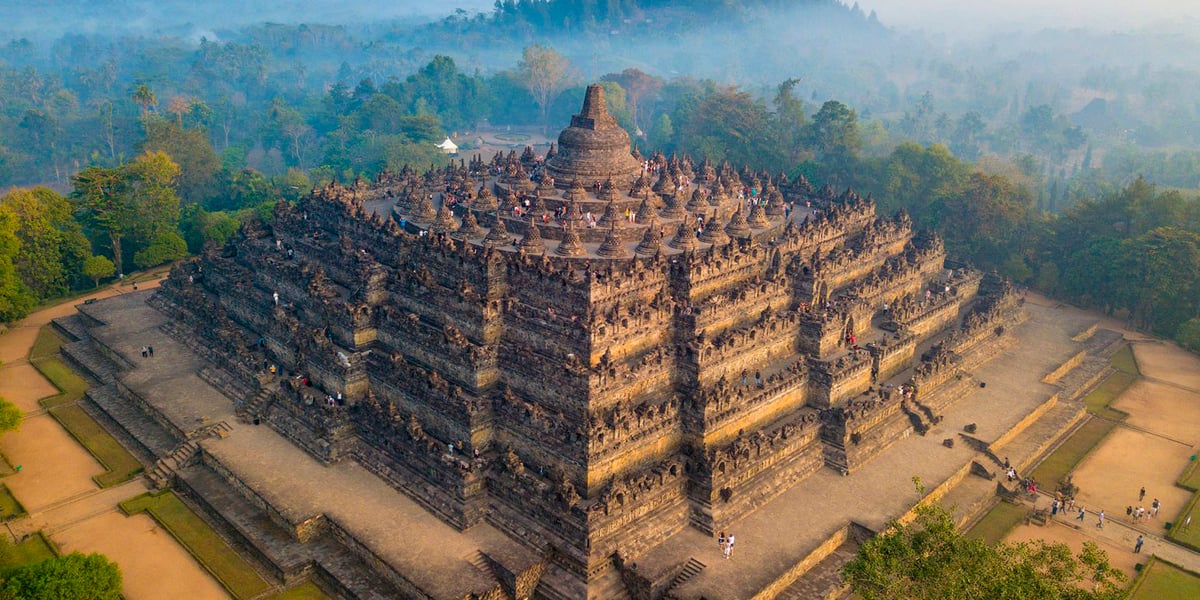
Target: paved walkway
(1123, 534)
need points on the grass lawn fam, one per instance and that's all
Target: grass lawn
(120, 464)
(34, 549)
(998, 522)
(10, 508)
(64, 407)
(225, 564)
(1064, 458)
(1124, 361)
(1190, 479)
(1099, 399)
(46, 345)
(305, 591)
(1164, 581)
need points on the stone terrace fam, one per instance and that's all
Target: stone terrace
(436, 557)
(386, 523)
(782, 533)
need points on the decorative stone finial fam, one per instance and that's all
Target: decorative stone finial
(612, 247)
(758, 217)
(738, 227)
(685, 238)
(570, 244)
(499, 233)
(532, 242)
(651, 242)
(713, 234)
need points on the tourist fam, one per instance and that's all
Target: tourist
(144, 354)
(729, 546)
(721, 541)
(1137, 547)
(1142, 494)
(150, 350)
(1154, 508)
(1081, 515)
(1100, 521)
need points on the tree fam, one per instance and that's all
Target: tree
(136, 200)
(10, 416)
(834, 137)
(637, 86)
(545, 73)
(790, 120)
(98, 267)
(164, 248)
(53, 246)
(71, 577)
(15, 299)
(191, 150)
(928, 558)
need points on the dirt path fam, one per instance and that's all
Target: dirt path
(56, 488)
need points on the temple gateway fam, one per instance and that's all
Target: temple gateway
(575, 361)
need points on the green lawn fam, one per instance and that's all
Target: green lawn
(1190, 479)
(120, 464)
(34, 549)
(225, 564)
(1164, 581)
(1064, 458)
(998, 521)
(10, 507)
(305, 591)
(64, 407)
(1099, 399)
(46, 345)
(1124, 361)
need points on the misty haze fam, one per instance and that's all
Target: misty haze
(584, 284)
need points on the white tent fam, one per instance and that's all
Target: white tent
(448, 147)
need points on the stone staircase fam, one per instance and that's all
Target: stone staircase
(135, 429)
(71, 328)
(249, 529)
(255, 406)
(690, 569)
(232, 387)
(85, 357)
(163, 471)
(824, 580)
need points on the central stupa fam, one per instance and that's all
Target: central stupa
(594, 148)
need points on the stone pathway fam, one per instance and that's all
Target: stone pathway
(1122, 534)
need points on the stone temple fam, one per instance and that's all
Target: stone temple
(567, 368)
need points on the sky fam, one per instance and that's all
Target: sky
(972, 16)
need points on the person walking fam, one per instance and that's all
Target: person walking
(1154, 508)
(1137, 547)
(1142, 494)
(721, 542)
(729, 546)
(1081, 515)
(1100, 521)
